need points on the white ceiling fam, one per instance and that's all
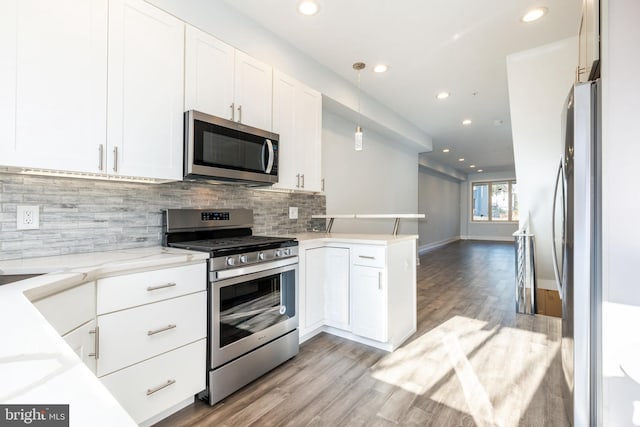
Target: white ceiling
(459, 46)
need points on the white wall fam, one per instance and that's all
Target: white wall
(620, 203)
(383, 178)
(439, 200)
(539, 82)
(480, 230)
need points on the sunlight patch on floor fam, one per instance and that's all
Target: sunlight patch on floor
(473, 367)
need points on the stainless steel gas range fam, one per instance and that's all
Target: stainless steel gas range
(253, 294)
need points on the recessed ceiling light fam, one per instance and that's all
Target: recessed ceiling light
(461, 159)
(442, 95)
(380, 68)
(466, 122)
(445, 150)
(308, 7)
(534, 14)
(472, 166)
(480, 170)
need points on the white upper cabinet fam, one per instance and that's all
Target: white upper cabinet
(209, 74)
(225, 82)
(53, 73)
(297, 118)
(588, 39)
(145, 91)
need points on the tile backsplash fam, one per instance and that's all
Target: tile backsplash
(79, 215)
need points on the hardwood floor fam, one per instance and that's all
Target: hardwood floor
(472, 362)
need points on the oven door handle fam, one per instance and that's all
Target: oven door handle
(256, 268)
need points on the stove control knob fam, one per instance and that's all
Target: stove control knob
(287, 252)
(261, 256)
(277, 253)
(243, 259)
(231, 261)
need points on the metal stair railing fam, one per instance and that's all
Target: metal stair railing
(525, 270)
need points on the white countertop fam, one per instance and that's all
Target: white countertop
(36, 365)
(355, 238)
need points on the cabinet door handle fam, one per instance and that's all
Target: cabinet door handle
(100, 156)
(322, 184)
(157, 331)
(379, 280)
(115, 159)
(166, 285)
(302, 180)
(233, 111)
(150, 391)
(239, 113)
(96, 343)
(297, 180)
(366, 257)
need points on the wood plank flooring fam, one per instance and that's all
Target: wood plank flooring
(472, 362)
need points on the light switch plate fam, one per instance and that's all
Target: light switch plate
(293, 213)
(28, 217)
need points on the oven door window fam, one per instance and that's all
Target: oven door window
(252, 306)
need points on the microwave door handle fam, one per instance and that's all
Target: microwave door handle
(269, 146)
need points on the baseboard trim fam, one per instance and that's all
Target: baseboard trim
(435, 245)
(489, 238)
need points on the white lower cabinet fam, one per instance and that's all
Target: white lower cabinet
(312, 269)
(364, 292)
(336, 287)
(150, 387)
(152, 338)
(369, 306)
(139, 333)
(83, 342)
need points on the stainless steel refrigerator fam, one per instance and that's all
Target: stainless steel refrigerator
(576, 225)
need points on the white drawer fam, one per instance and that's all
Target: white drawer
(130, 290)
(182, 372)
(130, 336)
(368, 255)
(69, 309)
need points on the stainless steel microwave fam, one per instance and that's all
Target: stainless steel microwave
(223, 150)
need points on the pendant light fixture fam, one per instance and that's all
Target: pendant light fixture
(358, 66)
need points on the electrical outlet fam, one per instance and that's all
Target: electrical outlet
(28, 217)
(293, 213)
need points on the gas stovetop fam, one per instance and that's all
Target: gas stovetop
(224, 234)
(235, 245)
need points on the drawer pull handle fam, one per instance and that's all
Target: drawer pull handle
(150, 391)
(366, 257)
(96, 343)
(155, 288)
(157, 331)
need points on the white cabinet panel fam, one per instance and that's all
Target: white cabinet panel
(129, 336)
(82, 341)
(69, 309)
(369, 255)
(314, 288)
(120, 292)
(297, 118)
(209, 74)
(152, 386)
(253, 91)
(336, 286)
(225, 82)
(145, 91)
(53, 72)
(369, 302)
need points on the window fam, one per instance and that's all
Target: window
(495, 201)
